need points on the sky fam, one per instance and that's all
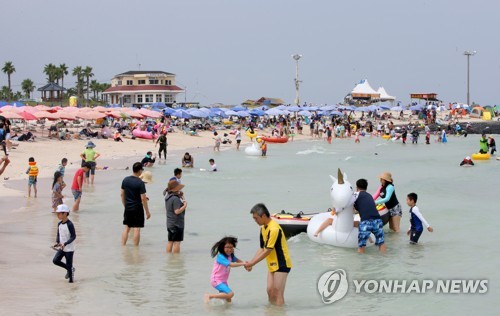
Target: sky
(228, 51)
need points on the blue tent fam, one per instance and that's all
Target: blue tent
(159, 105)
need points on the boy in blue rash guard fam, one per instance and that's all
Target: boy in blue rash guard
(65, 245)
(416, 220)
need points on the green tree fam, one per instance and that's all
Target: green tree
(78, 73)
(64, 72)
(87, 72)
(5, 92)
(51, 71)
(96, 88)
(28, 86)
(9, 69)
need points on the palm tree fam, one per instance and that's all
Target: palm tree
(64, 72)
(28, 86)
(87, 72)
(50, 71)
(9, 69)
(77, 71)
(96, 87)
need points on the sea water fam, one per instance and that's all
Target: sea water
(459, 202)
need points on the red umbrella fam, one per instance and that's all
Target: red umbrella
(11, 115)
(28, 116)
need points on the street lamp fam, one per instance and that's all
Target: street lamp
(297, 81)
(468, 54)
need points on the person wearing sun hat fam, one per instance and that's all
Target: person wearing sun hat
(175, 206)
(135, 203)
(90, 155)
(386, 194)
(65, 245)
(146, 177)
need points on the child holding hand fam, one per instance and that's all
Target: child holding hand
(224, 251)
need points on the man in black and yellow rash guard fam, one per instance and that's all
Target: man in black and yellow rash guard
(274, 248)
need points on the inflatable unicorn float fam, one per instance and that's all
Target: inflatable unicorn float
(342, 232)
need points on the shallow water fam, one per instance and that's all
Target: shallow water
(456, 201)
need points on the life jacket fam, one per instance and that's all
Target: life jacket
(33, 172)
(393, 200)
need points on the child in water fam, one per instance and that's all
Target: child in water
(224, 251)
(416, 220)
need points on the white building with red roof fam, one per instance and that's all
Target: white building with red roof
(142, 87)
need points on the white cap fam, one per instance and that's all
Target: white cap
(62, 208)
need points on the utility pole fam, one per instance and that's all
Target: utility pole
(297, 81)
(468, 54)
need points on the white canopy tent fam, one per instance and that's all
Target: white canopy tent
(363, 90)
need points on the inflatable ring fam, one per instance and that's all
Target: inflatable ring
(478, 156)
(250, 134)
(386, 136)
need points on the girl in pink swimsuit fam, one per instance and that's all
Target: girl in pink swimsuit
(224, 251)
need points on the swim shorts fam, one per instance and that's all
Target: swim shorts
(76, 194)
(134, 217)
(414, 236)
(374, 226)
(175, 234)
(92, 169)
(396, 211)
(223, 288)
(31, 180)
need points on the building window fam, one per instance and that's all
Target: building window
(159, 97)
(141, 81)
(169, 98)
(130, 82)
(148, 98)
(168, 82)
(153, 81)
(161, 81)
(119, 82)
(127, 99)
(139, 98)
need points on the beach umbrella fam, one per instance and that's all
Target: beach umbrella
(257, 112)
(66, 115)
(264, 107)
(305, 113)
(90, 115)
(168, 111)
(238, 108)
(28, 116)
(149, 113)
(181, 114)
(41, 107)
(231, 112)
(328, 108)
(158, 105)
(11, 115)
(242, 114)
(336, 113)
(46, 115)
(416, 107)
(293, 108)
(100, 109)
(217, 112)
(275, 111)
(8, 107)
(198, 113)
(397, 108)
(17, 104)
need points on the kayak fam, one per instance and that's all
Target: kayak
(281, 140)
(292, 224)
